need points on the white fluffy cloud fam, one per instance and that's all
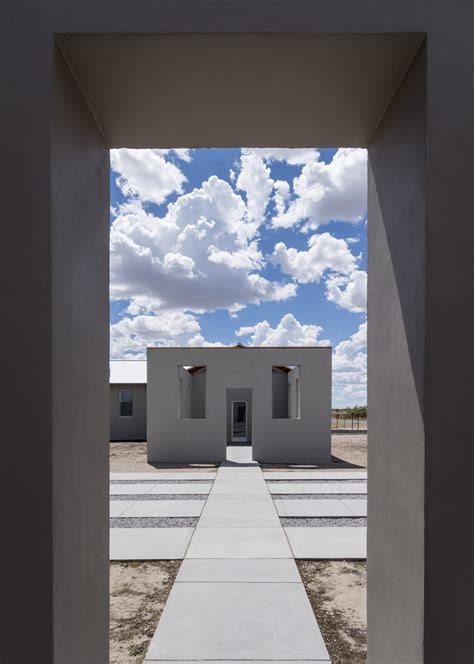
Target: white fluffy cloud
(131, 336)
(348, 291)
(254, 179)
(325, 253)
(349, 370)
(147, 174)
(201, 256)
(327, 192)
(288, 332)
(292, 156)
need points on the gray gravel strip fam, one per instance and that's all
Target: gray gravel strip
(325, 481)
(157, 481)
(318, 496)
(317, 522)
(158, 496)
(153, 522)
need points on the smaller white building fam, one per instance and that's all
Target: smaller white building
(278, 400)
(128, 400)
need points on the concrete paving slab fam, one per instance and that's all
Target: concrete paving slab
(238, 543)
(328, 475)
(239, 454)
(125, 489)
(357, 507)
(304, 508)
(255, 621)
(164, 508)
(239, 489)
(238, 570)
(223, 510)
(180, 488)
(320, 487)
(326, 543)
(149, 543)
(118, 507)
(168, 475)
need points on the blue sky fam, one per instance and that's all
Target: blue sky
(257, 246)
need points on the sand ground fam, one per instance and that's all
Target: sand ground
(348, 451)
(138, 592)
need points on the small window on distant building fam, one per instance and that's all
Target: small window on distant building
(126, 403)
(286, 392)
(192, 392)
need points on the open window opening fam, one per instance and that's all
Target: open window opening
(192, 392)
(125, 403)
(286, 389)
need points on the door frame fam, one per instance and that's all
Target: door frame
(233, 439)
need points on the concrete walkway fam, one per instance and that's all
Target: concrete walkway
(238, 595)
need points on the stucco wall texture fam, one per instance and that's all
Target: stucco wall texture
(306, 439)
(128, 428)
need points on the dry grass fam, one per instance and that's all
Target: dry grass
(138, 592)
(337, 592)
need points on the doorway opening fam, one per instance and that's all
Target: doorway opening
(239, 422)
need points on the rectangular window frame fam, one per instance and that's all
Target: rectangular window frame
(121, 401)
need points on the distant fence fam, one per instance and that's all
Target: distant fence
(345, 420)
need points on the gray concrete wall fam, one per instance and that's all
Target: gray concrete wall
(80, 370)
(303, 440)
(55, 166)
(128, 428)
(396, 238)
(236, 395)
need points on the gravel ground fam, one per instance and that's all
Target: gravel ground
(318, 522)
(153, 522)
(158, 481)
(337, 592)
(318, 496)
(159, 496)
(326, 480)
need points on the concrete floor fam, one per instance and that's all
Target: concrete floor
(247, 616)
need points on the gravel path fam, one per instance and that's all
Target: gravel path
(159, 496)
(328, 480)
(319, 496)
(153, 522)
(317, 522)
(158, 481)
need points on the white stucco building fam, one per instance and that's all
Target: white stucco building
(276, 399)
(128, 400)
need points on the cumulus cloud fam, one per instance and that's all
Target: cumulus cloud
(327, 192)
(349, 369)
(281, 195)
(288, 332)
(325, 253)
(202, 255)
(348, 292)
(147, 174)
(131, 336)
(254, 179)
(292, 156)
